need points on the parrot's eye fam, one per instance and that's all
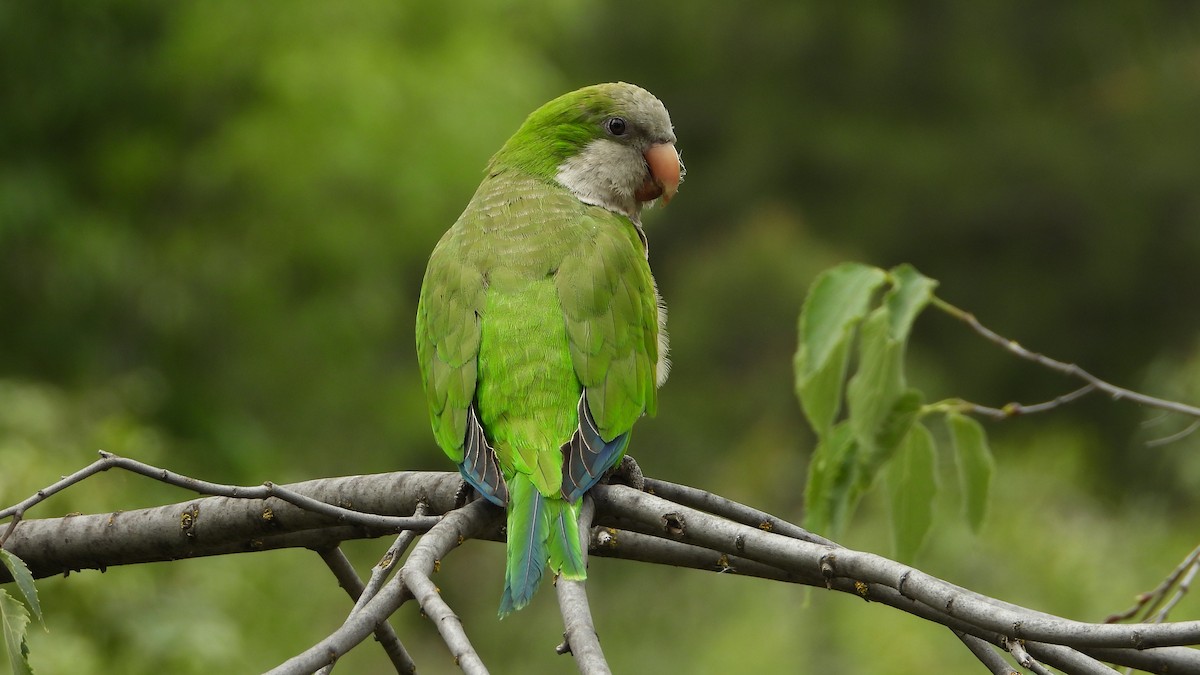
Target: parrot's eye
(615, 126)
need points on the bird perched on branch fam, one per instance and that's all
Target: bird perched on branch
(540, 332)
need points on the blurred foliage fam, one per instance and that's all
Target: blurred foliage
(214, 219)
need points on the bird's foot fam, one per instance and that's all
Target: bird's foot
(465, 495)
(627, 472)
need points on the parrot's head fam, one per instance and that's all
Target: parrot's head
(610, 144)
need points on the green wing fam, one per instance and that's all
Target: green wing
(611, 314)
(453, 295)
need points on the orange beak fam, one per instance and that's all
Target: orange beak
(663, 161)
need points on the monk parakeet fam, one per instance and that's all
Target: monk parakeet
(540, 331)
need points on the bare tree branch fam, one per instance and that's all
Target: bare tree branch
(741, 540)
(349, 580)
(836, 563)
(458, 526)
(415, 576)
(219, 525)
(383, 569)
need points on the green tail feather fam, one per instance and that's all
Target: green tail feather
(566, 556)
(540, 528)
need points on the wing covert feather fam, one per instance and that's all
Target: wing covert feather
(609, 305)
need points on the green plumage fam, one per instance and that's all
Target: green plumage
(530, 298)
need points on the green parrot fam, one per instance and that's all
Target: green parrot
(540, 331)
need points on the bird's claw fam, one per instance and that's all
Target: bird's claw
(627, 472)
(465, 495)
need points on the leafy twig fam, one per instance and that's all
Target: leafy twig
(1068, 369)
(1009, 410)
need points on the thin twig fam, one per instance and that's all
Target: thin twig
(1147, 603)
(270, 489)
(415, 576)
(17, 511)
(1068, 369)
(1180, 591)
(349, 580)
(1068, 660)
(1178, 435)
(1024, 658)
(456, 527)
(424, 559)
(383, 569)
(1010, 410)
(639, 547)
(579, 631)
(735, 511)
(986, 654)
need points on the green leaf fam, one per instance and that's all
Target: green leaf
(975, 465)
(20, 573)
(912, 482)
(909, 294)
(821, 393)
(832, 493)
(882, 407)
(836, 302)
(899, 419)
(15, 620)
(879, 381)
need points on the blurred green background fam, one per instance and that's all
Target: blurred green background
(214, 218)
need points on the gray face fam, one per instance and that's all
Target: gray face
(646, 117)
(610, 170)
